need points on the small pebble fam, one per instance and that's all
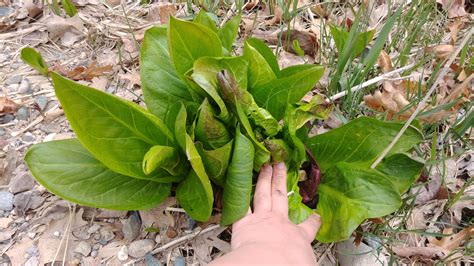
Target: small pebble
(140, 248)
(2, 131)
(6, 201)
(179, 261)
(94, 228)
(25, 87)
(56, 234)
(83, 248)
(94, 253)
(42, 102)
(2, 213)
(151, 261)
(8, 118)
(131, 227)
(31, 235)
(122, 255)
(16, 79)
(28, 138)
(97, 246)
(158, 239)
(23, 113)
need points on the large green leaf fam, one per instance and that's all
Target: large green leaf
(238, 181)
(277, 94)
(68, 170)
(297, 211)
(349, 194)
(117, 132)
(195, 192)
(350, 191)
(229, 31)
(266, 52)
(360, 141)
(187, 41)
(260, 72)
(205, 72)
(161, 85)
(209, 130)
(216, 161)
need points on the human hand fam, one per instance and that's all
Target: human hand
(267, 236)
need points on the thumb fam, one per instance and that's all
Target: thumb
(311, 226)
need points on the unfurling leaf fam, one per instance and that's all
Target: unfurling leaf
(228, 32)
(236, 96)
(209, 130)
(68, 170)
(34, 60)
(162, 157)
(216, 161)
(238, 182)
(279, 150)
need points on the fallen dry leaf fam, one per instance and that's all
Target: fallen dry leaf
(277, 16)
(306, 40)
(7, 106)
(394, 95)
(441, 51)
(82, 72)
(68, 30)
(453, 241)
(132, 77)
(433, 253)
(162, 11)
(454, 27)
(455, 8)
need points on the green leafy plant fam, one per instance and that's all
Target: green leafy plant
(212, 120)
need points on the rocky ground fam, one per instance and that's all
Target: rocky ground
(97, 48)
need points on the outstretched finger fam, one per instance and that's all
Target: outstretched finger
(262, 200)
(279, 194)
(311, 226)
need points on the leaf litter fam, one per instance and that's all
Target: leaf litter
(83, 46)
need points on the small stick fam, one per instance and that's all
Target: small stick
(184, 238)
(424, 100)
(368, 83)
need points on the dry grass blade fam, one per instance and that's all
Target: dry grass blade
(424, 100)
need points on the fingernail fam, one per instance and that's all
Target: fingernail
(280, 166)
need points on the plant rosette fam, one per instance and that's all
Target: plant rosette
(212, 120)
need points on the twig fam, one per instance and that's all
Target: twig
(183, 239)
(228, 14)
(368, 83)
(424, 100)
(328, 249)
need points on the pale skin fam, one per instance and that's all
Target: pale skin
(266, 235)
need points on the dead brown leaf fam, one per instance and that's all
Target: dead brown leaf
(453, 241)
(162, 11)
(277, 16)
(251, 4)
(433, 253)
(132, 77)
(455, 8)
(84, 72)
(441, 51)
(306, 40)
(68, 30)
(454, 27)
(394, 95)
(7, 106)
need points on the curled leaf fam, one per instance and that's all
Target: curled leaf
(162, 157)
(209, 130)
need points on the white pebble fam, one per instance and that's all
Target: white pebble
(122, 255)
(56, 234)
(31, 235)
